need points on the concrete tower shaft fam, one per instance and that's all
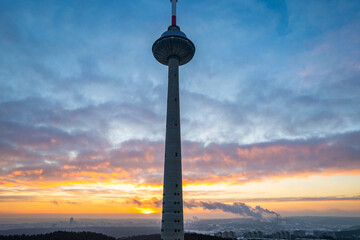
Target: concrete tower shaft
(172, 226)
(173, 49)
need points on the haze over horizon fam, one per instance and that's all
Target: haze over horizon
(270, 110)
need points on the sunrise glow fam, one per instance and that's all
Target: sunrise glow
(270, 112)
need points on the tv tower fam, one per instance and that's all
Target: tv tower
(173, 49)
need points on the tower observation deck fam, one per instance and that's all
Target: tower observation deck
(173, 49)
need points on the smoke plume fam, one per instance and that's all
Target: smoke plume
(236, 208)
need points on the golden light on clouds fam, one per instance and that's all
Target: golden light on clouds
(286, 195)
(128, 179)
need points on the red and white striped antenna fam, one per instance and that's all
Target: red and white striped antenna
(173, 12)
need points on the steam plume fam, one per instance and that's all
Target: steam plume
(236, 208)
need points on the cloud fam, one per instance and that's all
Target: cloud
(59, 202)
(16, 198)
(236, 208)
(153, 202)
(94, 82)
(43, 144)
(304, 199)
(277, 159)
(271, 92)
(35, 157)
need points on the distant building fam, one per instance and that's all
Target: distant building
(71, 222)
(324, 234)
(232, 235)
(254, 235)
(281, 235)
(299, 233)
(317, 233)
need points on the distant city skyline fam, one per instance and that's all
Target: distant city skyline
(82, 107)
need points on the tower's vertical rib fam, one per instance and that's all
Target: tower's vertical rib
(172, 226)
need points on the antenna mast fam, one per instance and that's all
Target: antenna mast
(173, 12)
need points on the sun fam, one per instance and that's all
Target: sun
(146, 210)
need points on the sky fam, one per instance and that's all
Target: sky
(270, 107)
